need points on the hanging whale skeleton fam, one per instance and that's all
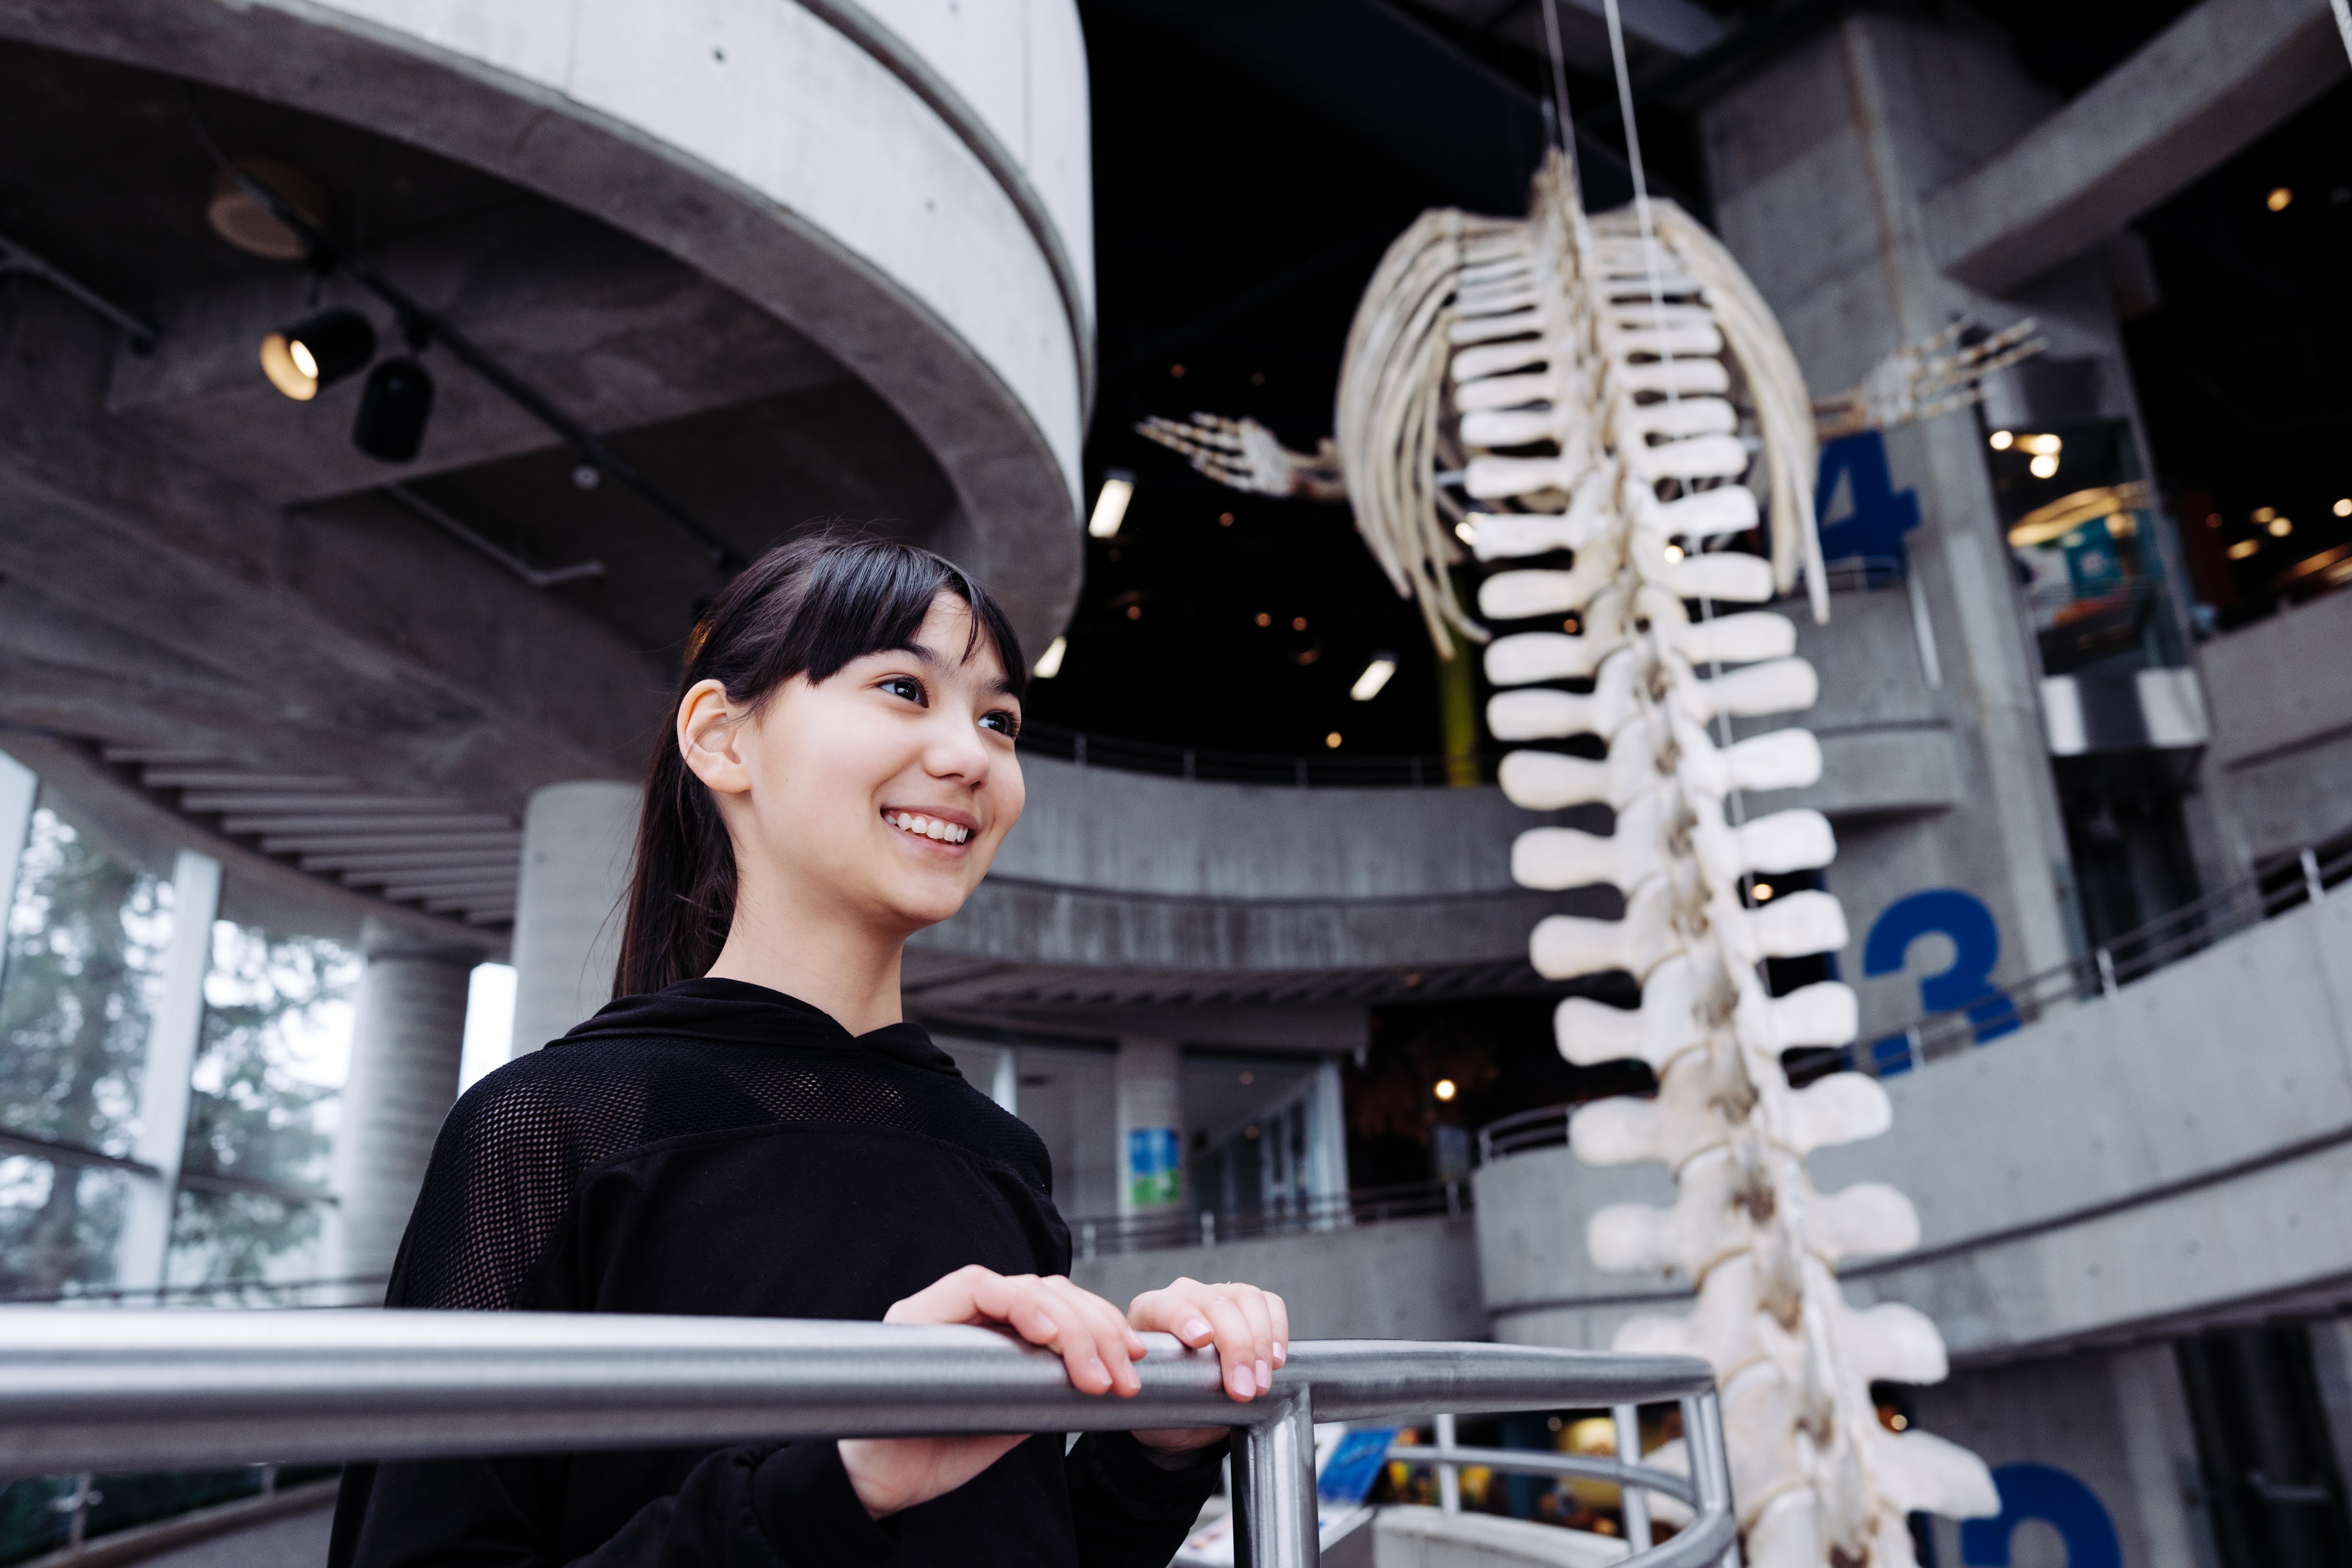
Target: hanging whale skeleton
(1596, 394)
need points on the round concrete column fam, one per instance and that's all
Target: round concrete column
(577, 840)
(1150, 1099)
(403, 1079)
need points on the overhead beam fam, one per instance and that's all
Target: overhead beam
(2199, 92)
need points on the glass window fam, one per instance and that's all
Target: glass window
(270, 1066)
(86, 935)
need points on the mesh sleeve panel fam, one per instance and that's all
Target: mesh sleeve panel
(508, 1158)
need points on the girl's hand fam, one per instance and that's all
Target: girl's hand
(1094, 1341)
(1250, 1328)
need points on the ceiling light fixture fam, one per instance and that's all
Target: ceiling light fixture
(2049, 446)
(1331, 741)
(1446, 1089)
(2278, 199)
(1376, 675)
(1763, 892)
(394, 408)
(2002, 440)
(2264, 513)
(1110, 503)
(2042, 466)
(2342, 508)
(317, 353)
(2280, 527)
(2243, 548)
(1049, 663)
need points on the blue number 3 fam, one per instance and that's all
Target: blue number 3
(1976, 943)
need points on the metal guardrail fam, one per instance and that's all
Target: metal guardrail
(1546, 1127)
(160, 1388)
(1098, 1236)
(2288, 882)
(1252, 767)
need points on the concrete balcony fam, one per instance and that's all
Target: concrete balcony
(2175, 1155)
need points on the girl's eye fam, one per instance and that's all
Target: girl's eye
(1005, 724)
(905, 686)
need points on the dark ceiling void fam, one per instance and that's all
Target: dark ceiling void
(2240, 367)
(1251, 164)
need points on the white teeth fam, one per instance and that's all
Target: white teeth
(928, 827)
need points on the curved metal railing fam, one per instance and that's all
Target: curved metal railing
(154, 1389)
(2286, 882)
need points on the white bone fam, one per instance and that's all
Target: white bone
(1737, 639)
(1522, 595)
(1680, 377)
(1726, 508)
(1868, 1219)
(1822, 1013)
(1546, 781)
(1920, 1472)
(1796, 926)
(1546, 715)
(1738, 579)
(1798, 840)
(1665, 1025)
(1781, 685)
(1844, 1108)
(1510, 391)
(1566, 947)
(1481, 329)
(1639, 422)
(1700, 458)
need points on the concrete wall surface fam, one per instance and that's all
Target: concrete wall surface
(824, 169)
(2177, 1154)
(1406, 1536)
(1120, 871)
(2116, 1420)
(2282, 749)
(1400, 1279)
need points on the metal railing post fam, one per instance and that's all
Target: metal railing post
(1449, 1477)
(2108, 987)
(2311, 886)
(1711, 1467)
(1274, 1489)
(1632, 1500)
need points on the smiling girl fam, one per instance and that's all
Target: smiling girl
(753, 1128)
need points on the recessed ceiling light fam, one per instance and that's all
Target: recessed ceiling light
(2243, 548)
(1049, 663)
(1110, 503)
(2042, 466)
(1376, 676)
(2278, 199)
(1332, 740)
(2002, 440)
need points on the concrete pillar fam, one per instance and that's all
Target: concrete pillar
(1819, 160)
(576, 841)
(405, 1053)
(2159, 1449)
(174, 1028)
(1327, 1138)
(1150, 1091)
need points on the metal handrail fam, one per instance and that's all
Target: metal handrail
(151, 1389)
(1097, 1235)
(1328, 770)
(1543, 1128)
(2287, 882)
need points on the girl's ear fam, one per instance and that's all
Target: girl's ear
(708, 726)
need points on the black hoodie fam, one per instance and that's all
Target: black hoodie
(722, 1148)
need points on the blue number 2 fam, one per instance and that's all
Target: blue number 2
(2049, 1494)
(1976, 943)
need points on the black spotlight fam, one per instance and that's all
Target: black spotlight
(317, 353)
(394, 407)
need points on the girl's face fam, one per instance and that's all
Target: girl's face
(880, 794)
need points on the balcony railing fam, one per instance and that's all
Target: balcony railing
(1099, 1235)
(2287, 882)
(142, 1388)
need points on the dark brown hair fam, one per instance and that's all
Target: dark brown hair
(805, 608)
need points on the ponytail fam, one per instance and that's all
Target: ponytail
(805, 608)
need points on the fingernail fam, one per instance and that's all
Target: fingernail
(1281, 1352)
(1264, 1376)
(1100, 1370)
(1242, 1387)
(1193, 1330)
